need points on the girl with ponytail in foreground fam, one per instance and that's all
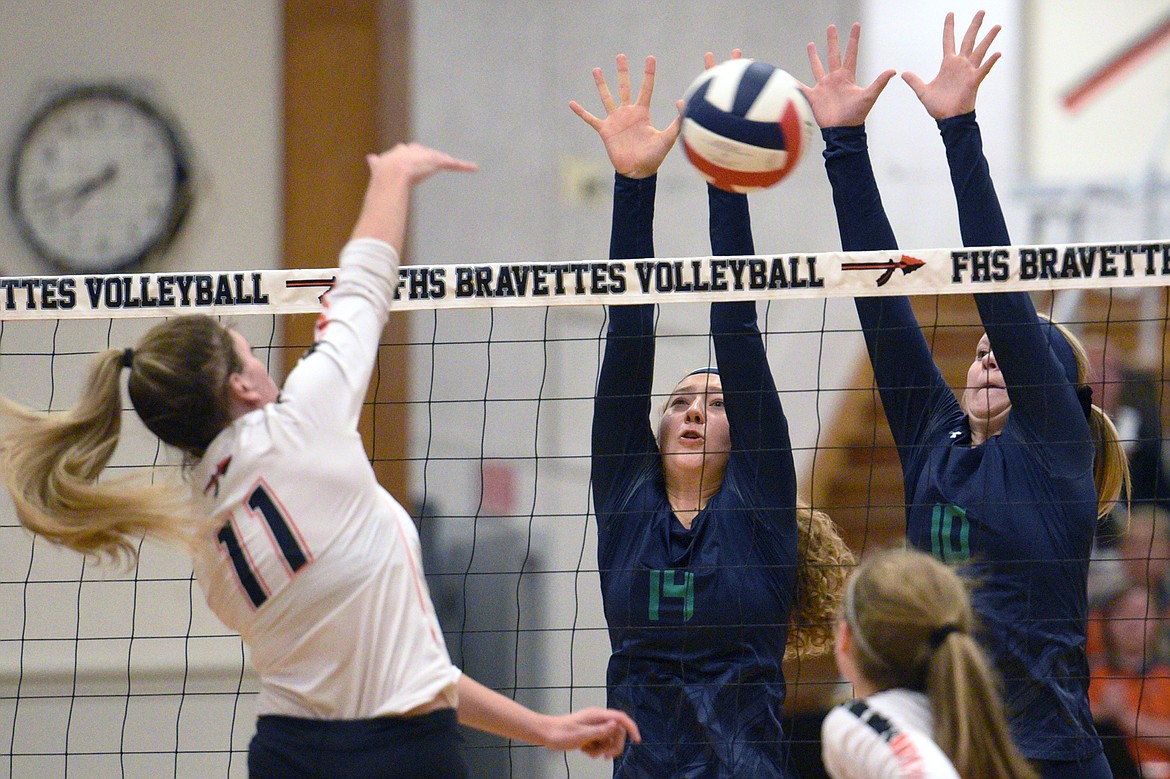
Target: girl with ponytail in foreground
(928, 704)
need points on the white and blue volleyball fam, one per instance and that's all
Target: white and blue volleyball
(746, 125)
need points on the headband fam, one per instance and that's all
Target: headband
(850, 614)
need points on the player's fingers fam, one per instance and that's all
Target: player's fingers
(609, 743)
(672, 130)
(834, 49)
(915, 83)
(447, 162)
(593, 736)
(986, 67)
(626, 725)
(603, 91)
(589, 118)
(972, 33)
(647, 90)
(879, 83)
(985, 44)
(623, 76)
(814, 62)
(851, 48)
(949, 34)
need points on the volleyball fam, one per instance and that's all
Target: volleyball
(746, 124)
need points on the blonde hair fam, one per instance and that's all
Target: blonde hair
(912, 624)
(1111, 464)
(51, 461)
(824, 565)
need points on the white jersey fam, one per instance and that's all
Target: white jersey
(314, 564)
(884, 736)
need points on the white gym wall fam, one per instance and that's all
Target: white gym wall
(492, 81)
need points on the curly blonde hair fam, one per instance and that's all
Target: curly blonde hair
(824, 567)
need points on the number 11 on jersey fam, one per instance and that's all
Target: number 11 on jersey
(282, 539)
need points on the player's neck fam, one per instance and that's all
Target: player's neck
(983, 429)
(688, 495)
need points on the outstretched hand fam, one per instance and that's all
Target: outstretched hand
(709, 58)
(953, 90)
(414, 162)
(596, 732)
(634, 147)
(836, 98)
(393, 174)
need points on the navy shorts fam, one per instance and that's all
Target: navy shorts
(380, 748)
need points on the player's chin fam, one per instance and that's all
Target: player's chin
(984, 401)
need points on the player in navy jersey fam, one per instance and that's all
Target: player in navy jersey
(1009, 481)
(295, 544)
(698, 525)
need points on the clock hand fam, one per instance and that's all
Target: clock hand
(84, 189)
(76, 194)
(94, 183)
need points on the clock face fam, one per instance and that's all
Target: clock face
(99, 180)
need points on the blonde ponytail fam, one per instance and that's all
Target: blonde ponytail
(970, 725)
(51, 462)
(1111, 464)
(913, 627)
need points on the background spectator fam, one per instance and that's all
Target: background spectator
(1130, 687)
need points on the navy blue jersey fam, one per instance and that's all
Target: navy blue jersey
(697, 617)
(1019, 511)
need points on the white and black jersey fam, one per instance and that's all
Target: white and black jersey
(314, 564)
(884, 736)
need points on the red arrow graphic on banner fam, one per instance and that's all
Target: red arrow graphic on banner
(906, 264)
(326, 283)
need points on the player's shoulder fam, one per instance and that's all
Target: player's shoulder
(878, 716)
(889, 734)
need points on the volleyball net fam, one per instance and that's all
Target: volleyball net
(117, 673)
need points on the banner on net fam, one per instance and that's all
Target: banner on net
(617, 282)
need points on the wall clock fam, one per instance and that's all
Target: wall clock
(100, 180)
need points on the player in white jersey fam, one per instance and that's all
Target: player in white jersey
(927, 705)
(305, 555)
(884, 736)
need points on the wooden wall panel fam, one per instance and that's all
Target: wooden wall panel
(338, 107)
